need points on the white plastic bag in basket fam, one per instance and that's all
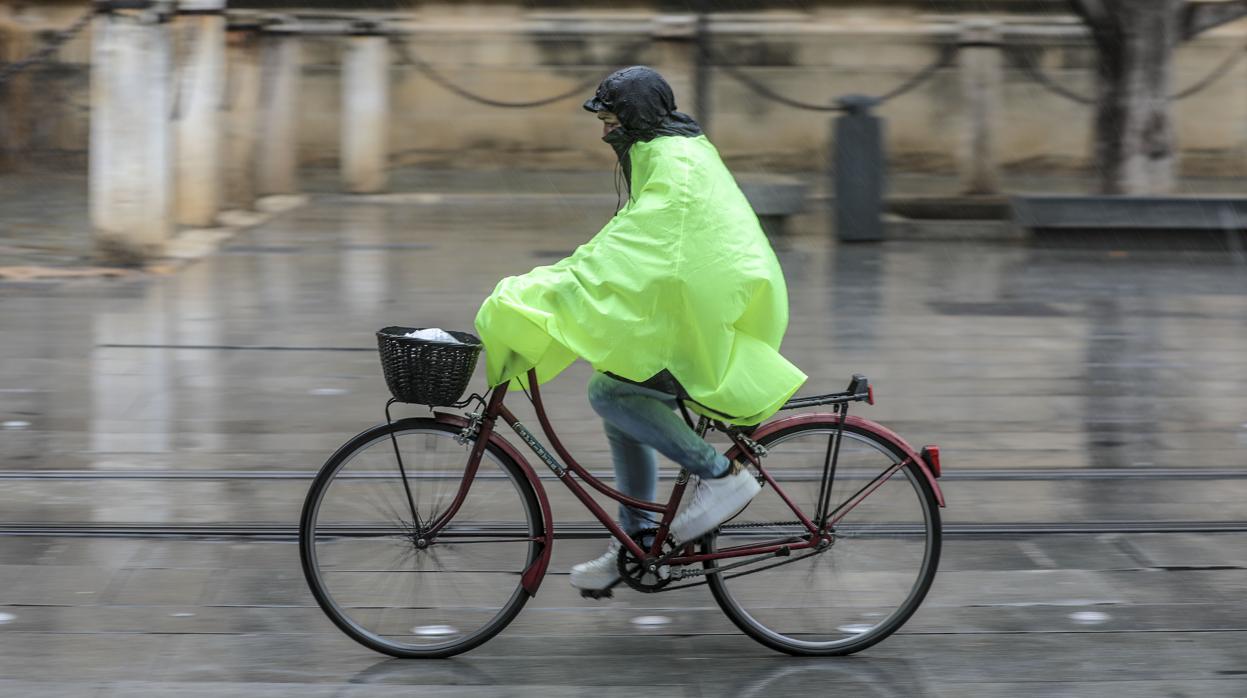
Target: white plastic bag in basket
(433, 334)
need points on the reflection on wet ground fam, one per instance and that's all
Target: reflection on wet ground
(1094, 386)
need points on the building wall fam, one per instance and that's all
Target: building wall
(507, 52)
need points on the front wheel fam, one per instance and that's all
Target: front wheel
(384, 570)
(882, 557)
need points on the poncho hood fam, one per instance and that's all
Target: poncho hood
(681, 280)
(645, 105)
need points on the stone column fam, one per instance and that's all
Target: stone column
(278, 148)
(131, 150)
(242, 113)
(365, 121)
(982, 78)
(200, 31)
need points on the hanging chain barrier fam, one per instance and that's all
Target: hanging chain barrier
(946, 55)
(410, 58)
(1032, 70)
(944, 59)
(48, 50)
(1217, 73)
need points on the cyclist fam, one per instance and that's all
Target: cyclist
(679, 296)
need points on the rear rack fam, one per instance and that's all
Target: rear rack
(859, 390)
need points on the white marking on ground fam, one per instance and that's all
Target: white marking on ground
(855, 628)
(650, 621)
(1036, 555)
(1088, 617)
(434, 630)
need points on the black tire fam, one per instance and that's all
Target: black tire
(526, 526)
(722, 587)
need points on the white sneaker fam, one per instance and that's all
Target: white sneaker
(598, 574)
(714, 501)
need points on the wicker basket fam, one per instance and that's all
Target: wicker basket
(424, 372)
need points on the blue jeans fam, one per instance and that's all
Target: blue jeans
(639, 421)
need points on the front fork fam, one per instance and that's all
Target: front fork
(479, 428)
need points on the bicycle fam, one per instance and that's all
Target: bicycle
(425, 537)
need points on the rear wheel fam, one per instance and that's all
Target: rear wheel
(882, 557)
(381, 574)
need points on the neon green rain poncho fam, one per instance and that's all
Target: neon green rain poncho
(682, 279)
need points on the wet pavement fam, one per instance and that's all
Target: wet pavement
(1091, 405)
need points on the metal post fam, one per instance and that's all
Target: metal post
(683, 61)
(130, 178)
(701, 71)
(365, 122)
(200, 28)
(858, 171)
(982, 78)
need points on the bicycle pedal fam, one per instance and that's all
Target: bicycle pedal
(597, 594)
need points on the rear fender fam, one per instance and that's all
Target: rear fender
(875, 429)
(532, 577)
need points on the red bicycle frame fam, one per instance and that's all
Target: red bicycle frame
(495, 408)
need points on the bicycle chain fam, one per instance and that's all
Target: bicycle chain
(701, 573)
(764, 524)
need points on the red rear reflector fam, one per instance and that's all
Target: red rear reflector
(931, 454)
(870, 395)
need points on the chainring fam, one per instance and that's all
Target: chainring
(633, 571)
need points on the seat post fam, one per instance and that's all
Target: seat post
(684, 411)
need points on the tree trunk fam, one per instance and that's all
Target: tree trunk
(1134, 135)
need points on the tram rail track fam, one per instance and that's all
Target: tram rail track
(971, 474)
(280, 531)
(581, 530)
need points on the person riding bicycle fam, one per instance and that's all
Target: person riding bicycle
(678, 297)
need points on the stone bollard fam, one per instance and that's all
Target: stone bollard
(242, 101)
(365, 122)
(982, 78)
(278, 147)
(200, 30)
(858, 167)
(130, 175)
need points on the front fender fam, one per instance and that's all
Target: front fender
(874, 428)
(532, 577)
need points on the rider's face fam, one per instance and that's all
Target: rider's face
(610, 122)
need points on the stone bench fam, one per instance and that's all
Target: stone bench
(774, 198)
(1040, 213)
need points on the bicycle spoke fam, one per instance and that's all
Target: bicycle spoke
(393, 587)
(875, 567)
